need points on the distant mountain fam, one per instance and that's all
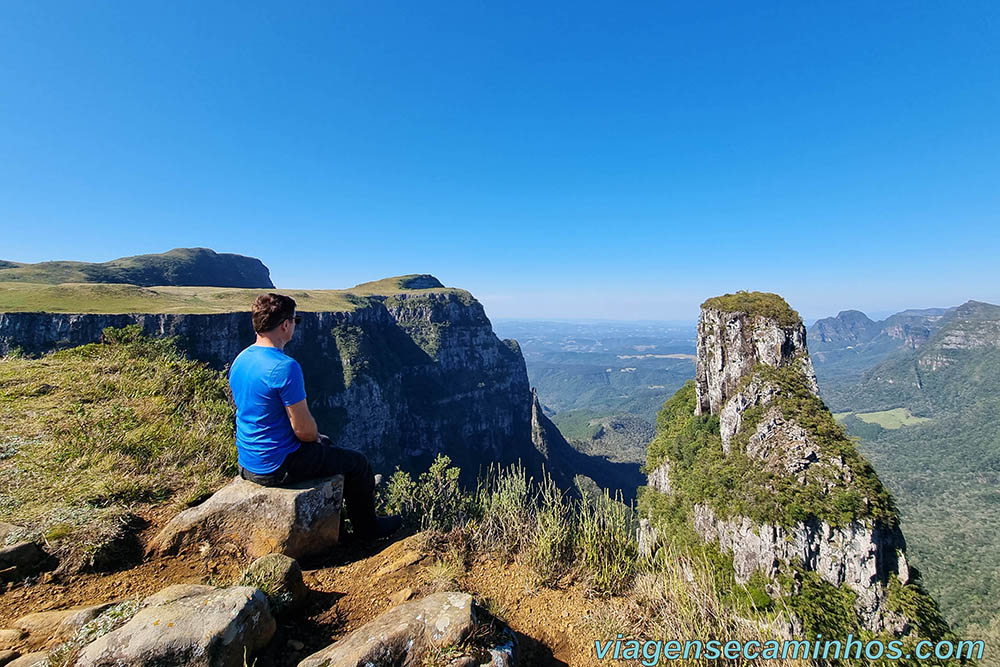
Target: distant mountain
(928, 415)
(845, 346)
(936, 372)
(179, 267)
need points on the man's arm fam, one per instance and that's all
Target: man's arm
(302, 421)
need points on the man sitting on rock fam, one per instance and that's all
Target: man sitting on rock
(276, 436)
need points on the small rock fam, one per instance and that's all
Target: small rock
(6, 657)
(295, 645)
(404, 561)
(400, 596)
(299, 520)
(280, 578)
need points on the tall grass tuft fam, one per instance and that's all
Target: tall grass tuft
(550, 552)
(607, 542)
(506, 511)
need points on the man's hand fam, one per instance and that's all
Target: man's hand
(302, 422)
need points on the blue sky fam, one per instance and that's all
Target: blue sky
(556, 159)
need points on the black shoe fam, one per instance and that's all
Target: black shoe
(384, 527)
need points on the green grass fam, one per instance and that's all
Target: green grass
(116, 298)
(756, 303)
(105, 432)
(892, 419)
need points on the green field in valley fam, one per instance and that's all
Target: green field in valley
(887, 419)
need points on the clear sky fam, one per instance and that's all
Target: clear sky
(563, 159)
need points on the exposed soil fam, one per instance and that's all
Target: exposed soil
(349, 587)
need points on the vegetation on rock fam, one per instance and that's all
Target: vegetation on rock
(735, 485)
(763, 304)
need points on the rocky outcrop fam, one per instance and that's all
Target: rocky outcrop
(798, 495)
(252, 520)
(187, 625)
(415, 632)
(858, 556)
(732, 343)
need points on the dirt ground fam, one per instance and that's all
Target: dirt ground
(349, 587)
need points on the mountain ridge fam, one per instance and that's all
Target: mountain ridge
(177, 267)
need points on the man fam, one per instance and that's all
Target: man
(276, 436)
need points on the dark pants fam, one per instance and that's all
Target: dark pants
(321, 459)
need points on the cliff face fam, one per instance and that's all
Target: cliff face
(761, 470)
(401, 377)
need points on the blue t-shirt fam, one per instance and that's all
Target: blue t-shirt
(264, 380)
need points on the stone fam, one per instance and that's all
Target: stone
(20, 560)
(408, 635)
(300, 520)
(9, 637)
(400, 596)
(218, 628)
(280, 578)
(6, 657)
(48, 627)
(39, 659)
(731, 343)
(176, 592)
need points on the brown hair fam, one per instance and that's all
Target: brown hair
(270, 310)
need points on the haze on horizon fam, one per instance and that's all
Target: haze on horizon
(569, 161)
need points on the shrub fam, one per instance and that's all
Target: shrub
(435, 501)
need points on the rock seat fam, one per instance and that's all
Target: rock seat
(299, 520)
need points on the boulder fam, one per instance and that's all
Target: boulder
(176, 592)
(182, 626)
(10, 637)
(40, 659)
(280, 578)
(300, 520)
(48, 627)
(6, 657)
(418, 631)
(18, 558)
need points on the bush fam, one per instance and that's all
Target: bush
(435, 501)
